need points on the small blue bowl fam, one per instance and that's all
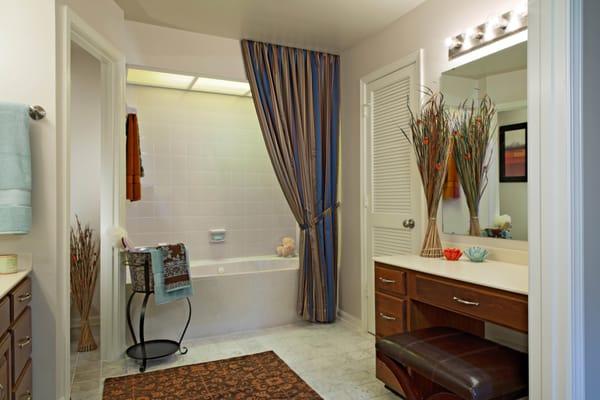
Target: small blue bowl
(476, 254)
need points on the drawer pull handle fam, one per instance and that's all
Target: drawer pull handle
(24, 342)
(387, 317)
(384, 280)
(26, 396)
(24, 297)
(465, 302)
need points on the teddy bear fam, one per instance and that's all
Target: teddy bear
(287, 247)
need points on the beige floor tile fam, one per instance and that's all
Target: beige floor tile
(337, 360)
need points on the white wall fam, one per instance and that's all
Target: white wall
(85, 148)
(425, 27)
(206, 167)
(182, 51)
(105, 16)
(27, 75)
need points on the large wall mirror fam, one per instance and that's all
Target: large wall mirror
(503, 207)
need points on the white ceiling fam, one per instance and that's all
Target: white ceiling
(331, 25)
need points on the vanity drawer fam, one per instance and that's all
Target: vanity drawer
(24, 387)
(389, 315)
(21, 297)
(390, 280)
(4, 315)
(5, 370)
(21, 343)
(496, 306)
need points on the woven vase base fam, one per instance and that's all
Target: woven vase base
(86, 340)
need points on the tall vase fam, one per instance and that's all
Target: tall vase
(474, 227)
(86, 338)
(432, 245)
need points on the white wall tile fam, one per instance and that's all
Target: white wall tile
(206, 167)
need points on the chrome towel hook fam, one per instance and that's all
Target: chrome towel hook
(37, 112)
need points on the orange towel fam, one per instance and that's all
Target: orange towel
(451, 185)
(134, 162)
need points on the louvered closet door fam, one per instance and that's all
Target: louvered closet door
(392, 198)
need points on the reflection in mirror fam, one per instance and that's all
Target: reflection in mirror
(503, 207)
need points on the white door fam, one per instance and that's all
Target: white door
(392, 192)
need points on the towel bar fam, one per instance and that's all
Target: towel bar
(37, 112)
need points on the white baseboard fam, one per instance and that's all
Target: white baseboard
(350, 319)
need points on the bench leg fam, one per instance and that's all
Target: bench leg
(401, 374)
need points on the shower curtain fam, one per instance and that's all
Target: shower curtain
(296, 93)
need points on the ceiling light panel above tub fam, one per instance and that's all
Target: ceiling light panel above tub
(221, 86)
(160, 79)
(137, 76)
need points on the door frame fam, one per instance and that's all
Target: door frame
(416, 58)
(73, 29)
(555, 201)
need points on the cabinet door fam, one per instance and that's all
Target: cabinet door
(22, 343)
(23, 388)
(5, 368)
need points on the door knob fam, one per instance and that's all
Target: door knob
(408, 223)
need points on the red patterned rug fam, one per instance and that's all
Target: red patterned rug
(257, 376)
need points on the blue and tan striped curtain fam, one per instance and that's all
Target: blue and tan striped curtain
(297, 98)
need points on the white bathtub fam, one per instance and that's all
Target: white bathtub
(230, 295)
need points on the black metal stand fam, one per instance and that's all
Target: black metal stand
(152, 349)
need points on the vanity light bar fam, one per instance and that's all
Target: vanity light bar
(494, 29)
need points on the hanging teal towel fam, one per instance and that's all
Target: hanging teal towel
(161, 296)
(15, 167)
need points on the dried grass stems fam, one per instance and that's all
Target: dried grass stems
(84, 274)
(473, 131)
(432, 143)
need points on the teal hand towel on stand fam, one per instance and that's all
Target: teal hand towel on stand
(15, 167)
(161, 295)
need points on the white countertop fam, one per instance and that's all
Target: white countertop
(9, 281)
(495, 274)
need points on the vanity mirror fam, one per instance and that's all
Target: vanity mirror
(502, 76)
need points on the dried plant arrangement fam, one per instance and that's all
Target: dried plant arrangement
(432, 144)
(474, 133)
(84, 274)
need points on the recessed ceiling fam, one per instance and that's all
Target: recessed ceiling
(331, 25)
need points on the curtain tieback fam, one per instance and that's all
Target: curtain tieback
(314, 221)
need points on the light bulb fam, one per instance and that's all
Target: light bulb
(521, 9)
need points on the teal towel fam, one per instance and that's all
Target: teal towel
(161, 296)
(15, 164)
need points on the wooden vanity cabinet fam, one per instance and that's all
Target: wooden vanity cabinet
(406, 299)
(5, 368)
(390, 312)
(16, 343)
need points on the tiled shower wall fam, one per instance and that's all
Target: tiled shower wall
(206, 167)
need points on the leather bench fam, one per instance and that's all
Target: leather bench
(462, 365)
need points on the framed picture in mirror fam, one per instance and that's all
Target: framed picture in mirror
(512, 143)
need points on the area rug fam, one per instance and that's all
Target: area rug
(256, 376)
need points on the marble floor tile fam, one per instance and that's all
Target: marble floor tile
(336, 360)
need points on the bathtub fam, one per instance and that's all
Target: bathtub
(230, 295)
